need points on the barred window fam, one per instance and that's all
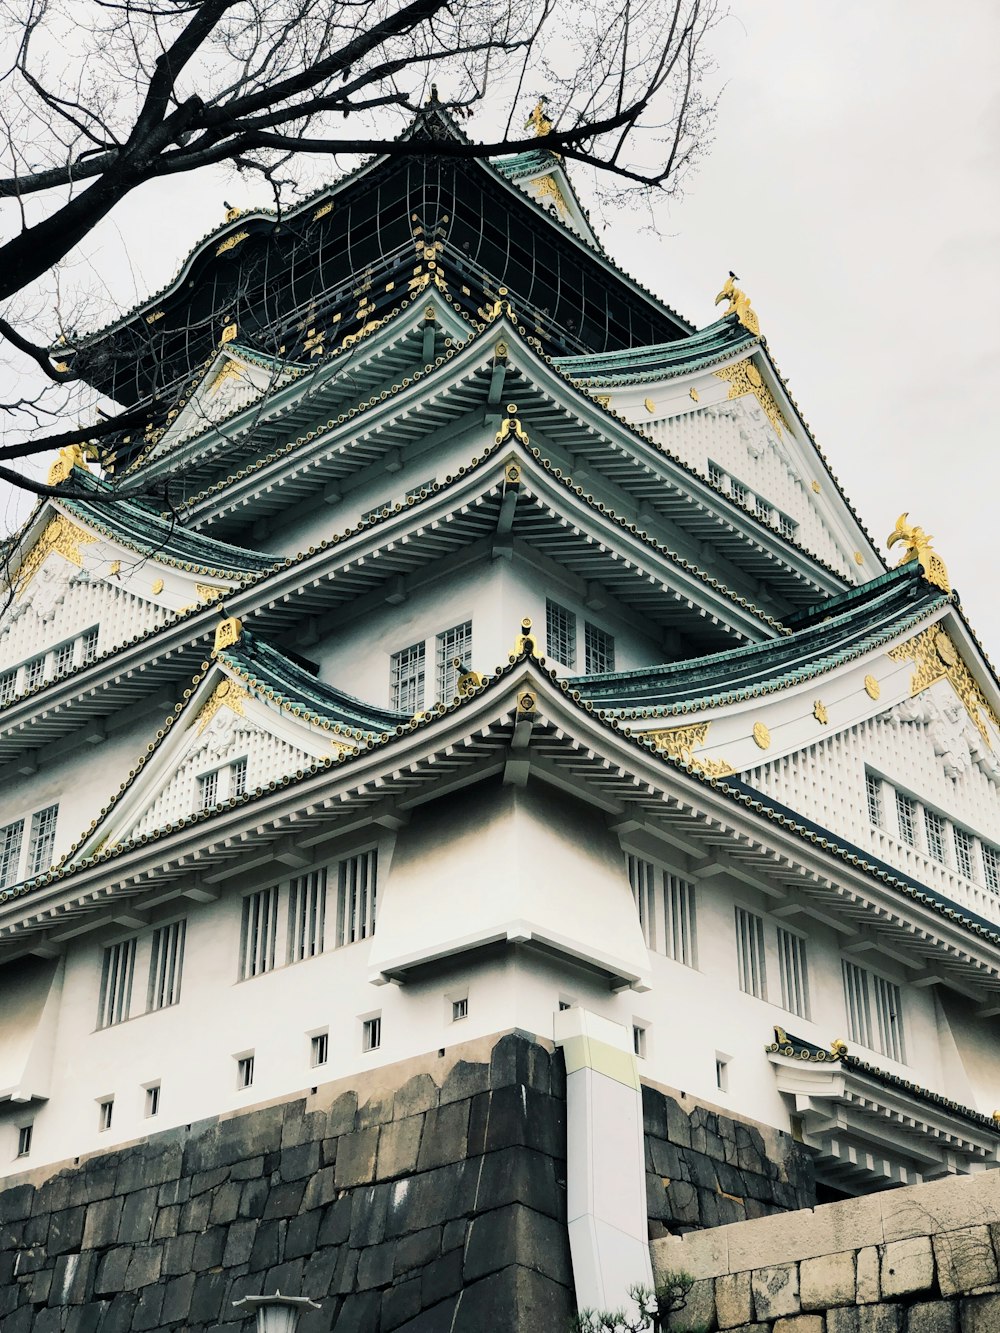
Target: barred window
(34, 672)
(716, 476)
(934, 828)
(873, 790)
(306, 916)
(750, 953)
(371, 1033)
(8, 686)
(105, 1113)
(874, 1011)
(166, 963)
(794, 976)
(666, 907)
(42, 839)
(238, 778)
(319, 1049)
(786, 526)
(964, 853)
(560, 634)
(452, 644)
(406, 678)
(11, 837)
(763, 509)
(258, 933)
(116, 983)
(991, 867)
(357, 897)
(598, 649)
(64, 657)
(208, 790)
(24, 1141)
(89, 646)
(244, 1072)
(906, 812)
(738, 491)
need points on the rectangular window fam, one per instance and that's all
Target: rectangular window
(319, 1049)
(24, 1141)
(459, 1009)
(639, 1040)
(873, 790)
(42, 839)
(238, 778)
(874, 1011)
(116, 983)
(89, 646)
(34, 672)
(105, 1112)
(750, 953)
(166, 963)
(786, 526)
(452, 645)
(415, 492)
(357, 897)
(560, 634)
(738, 491)
(64, 658)
(306, 916)
(794, 977)
(859, 1018)
(934, 828)
(991, 867)
(666, 907)
(964, 853)
(257, 937)
(598, 650)
(8, 686)
(152, 1100)
(244, 1072)
(406, 678)
(716, 476)
(371, 1033)
(721, 1073)
(763, 510)
(11, 836)
(889, 1017)
(906, 811)
(208, 790)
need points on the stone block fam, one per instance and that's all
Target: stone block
(300, 1238)
(321, 1189)
(375, 1266)
(732, 1300)
(417, 1094)
(869, 1288)
(360, 1311)
(965, 1259)
(654, 1113)
(843, 1319)
(800, 1323)
(377, 1110)
(445, 1135)
(336, 1224)
(775, 1291)
(73, 1278)
(285, 1200)
(208, 1248)
(416, 1250)
(698, 1312)
(827, 1281)
(400, 1303)
(85, 1318)
(880, 1319)
(167, 1222)
(143, 1267)
(441, 1278)
(177, 1254)
(248, 1169)
(979, 1314)
(136, 1224)
(939, 1205)
(209, 1180)
(399, 1146)
(463, 1081)
(17, 1202)
(369, 1208)
(518, 1175)
(253, 1199)
(101, 1225)
(356, 1158)
(195, 1213)
(226, 1203)
(341, 1115)
(936, 1317)
(848, 1224)
(517, 1235)
(66, 1230)
(700, 1253)
(479, 1122)
(518, 1058)
(432, 1197)
(907, 1266)
(147, 1310)
(300, 1162)
(266, 1249)
(207, 1298)
(240, 1237)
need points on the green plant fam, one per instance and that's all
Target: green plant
(653, 1308)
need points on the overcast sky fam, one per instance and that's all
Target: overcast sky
(854, 186)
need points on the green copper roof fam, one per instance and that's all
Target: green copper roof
(525, 164)
(155, 536)
(716, 341)
(836, 631)
(269, 672)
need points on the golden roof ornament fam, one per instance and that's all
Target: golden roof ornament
(918, 547)
(228, 632)
(739, 304)
(538, 120)
(70, 456)
(511, 427)
(838, 1048)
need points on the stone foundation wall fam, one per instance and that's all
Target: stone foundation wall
(925, 1259)
(704, 1169)
(438, 1203)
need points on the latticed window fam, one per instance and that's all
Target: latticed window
(64, 658)
(42, 839)
(874, 1011)
(750, 953)
(934, 828)
(560, 634)
(8, 686)
(794, 976)
(166, 963)
(964, 853)
(306, 916)
(716, 476)
(906, 812)
(786, 526)
(873, 790)
(11, 837)
(738, 491)
(763, 510)
(991, 867)
(451, 644)
(357, 897)
(34, 672)
(258, 933)
(238, 778)
(208, 790)
(666, 907)
(407, 678)
(89, 651)
(598, 649)
(116, 983)
(371, 1033)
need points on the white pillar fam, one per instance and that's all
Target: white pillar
(605, 1160)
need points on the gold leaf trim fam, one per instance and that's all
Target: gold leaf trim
(61, 536)
(744, 378)
(935, 657)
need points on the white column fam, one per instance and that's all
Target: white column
(605, 1160)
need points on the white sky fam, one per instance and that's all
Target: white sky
(854, 187)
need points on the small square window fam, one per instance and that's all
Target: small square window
(459, 1009)
(639, 1040)
(722, 1072)
(105, 1113)
(371, 1033)
(319, 1049)
(244, 1072)
(24, 1140)
(152, 1100)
